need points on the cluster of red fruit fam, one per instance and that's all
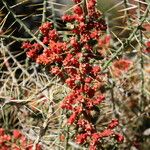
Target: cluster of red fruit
(15, 141)
(147, 50)
(76, 60)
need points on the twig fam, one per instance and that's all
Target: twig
(141, 62)
(16, 38)
(67, 137)
(44, 11)
(60, 124)
(42, 131)
(85, 8)
(53, 15)
(127, 12)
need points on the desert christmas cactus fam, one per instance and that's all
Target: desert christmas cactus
(16, 141)
(81, 82)
(77, 59)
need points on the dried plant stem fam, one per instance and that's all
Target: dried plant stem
(127, 16)
(43, 129)
(113, 101)
(111, 81)
(44, 11)
(126, 43)
(18, 64)
(60, 126)
(67, 137)
(16, 38)
(53, 15)
(22, 24)
(85, 7)
(141, 61)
